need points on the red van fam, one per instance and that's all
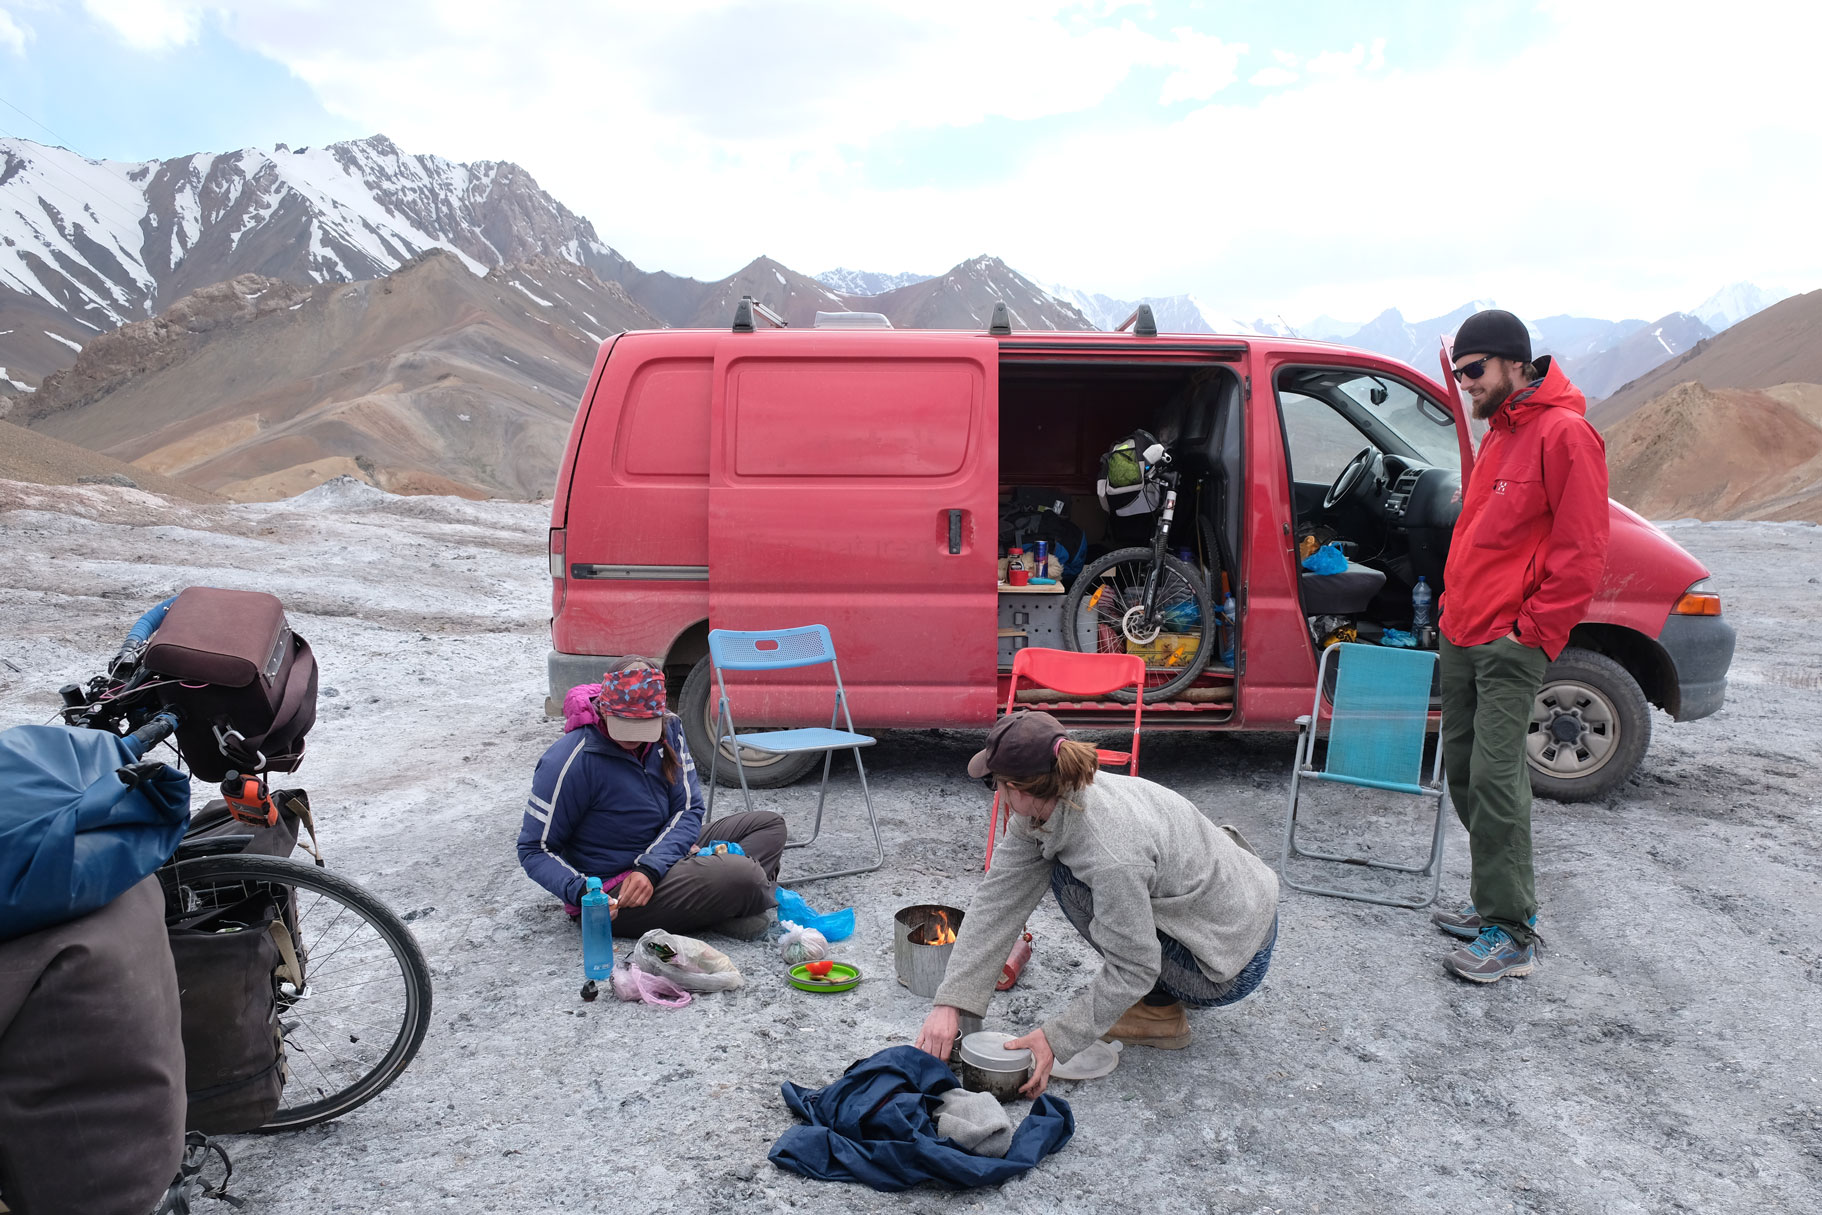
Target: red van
(762, 477)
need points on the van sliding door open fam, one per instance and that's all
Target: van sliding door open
(854, 483)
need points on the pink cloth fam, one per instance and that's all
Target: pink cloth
(578, 706)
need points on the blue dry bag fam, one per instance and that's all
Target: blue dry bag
(74, 834)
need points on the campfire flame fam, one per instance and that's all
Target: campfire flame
(936, 931)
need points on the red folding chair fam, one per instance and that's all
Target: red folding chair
(1088, 676)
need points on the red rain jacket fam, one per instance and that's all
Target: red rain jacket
(1531, 542)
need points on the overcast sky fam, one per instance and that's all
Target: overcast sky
(1585, 156)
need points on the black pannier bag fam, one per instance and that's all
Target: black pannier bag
(242, 682)
(234, 1047)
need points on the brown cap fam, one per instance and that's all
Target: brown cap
(1020, 746)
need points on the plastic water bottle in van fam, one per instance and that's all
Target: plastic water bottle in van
(597, 933)
(1421, 599)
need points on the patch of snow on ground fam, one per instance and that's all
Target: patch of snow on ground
(58, 337)
(528, 295)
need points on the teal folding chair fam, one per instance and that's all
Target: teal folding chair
(1379, 715)
(780, 650)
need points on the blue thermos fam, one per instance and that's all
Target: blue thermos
(597, 933)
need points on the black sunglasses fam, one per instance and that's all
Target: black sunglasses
(1473, 371)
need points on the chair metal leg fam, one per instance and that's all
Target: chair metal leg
(1432, 867)
(879, 846)
(822, 796)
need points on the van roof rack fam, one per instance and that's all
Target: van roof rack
(747, 309)
(1146, 324)
(1001, 323)
(852, 320)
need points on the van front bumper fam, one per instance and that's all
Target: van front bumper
(1701, 649)
(569, 670)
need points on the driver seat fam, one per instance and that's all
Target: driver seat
(1344, 594)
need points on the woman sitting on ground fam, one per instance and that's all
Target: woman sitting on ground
(1180, 912)
(619, 798)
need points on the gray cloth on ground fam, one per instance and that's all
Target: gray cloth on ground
(976, 1121)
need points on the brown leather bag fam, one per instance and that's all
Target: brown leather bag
(243, 684)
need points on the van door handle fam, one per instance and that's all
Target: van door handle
(955, 533)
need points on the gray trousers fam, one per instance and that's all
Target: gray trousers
(701, 891)
(91, 1062)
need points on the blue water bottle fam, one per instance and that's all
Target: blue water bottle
(597, 933)
(1421, 599)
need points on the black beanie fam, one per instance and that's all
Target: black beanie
(1495, 332)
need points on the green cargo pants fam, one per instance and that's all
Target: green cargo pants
(1487, 694)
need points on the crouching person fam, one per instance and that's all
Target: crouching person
(619, 798)
(1180, 913)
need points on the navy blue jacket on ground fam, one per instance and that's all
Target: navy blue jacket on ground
(597, 809)
(876, 1125)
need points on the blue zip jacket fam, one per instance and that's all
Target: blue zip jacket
(597, 810)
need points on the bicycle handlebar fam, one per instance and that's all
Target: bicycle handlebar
(152, 733)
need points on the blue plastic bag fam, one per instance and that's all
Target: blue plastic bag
(708, 849)
(73, 835)
(1326, 560)
(836, 926)
(1398, 639)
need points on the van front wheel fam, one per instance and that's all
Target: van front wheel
(1590, 725)
(696, 706)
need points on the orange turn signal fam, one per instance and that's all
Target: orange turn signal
(1697, 603)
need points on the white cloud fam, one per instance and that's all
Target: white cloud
(1643, 168)
(1272, 77)
(149, 25)
(13, 36)
(1204, 66)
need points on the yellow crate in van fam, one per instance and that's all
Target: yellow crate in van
(1167, 649)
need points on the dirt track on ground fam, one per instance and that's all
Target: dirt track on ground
(1663, 1058)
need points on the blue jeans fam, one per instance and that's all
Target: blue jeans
(1180, 979)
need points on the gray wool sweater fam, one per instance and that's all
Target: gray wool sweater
(1155, 865)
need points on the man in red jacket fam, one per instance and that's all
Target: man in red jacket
(1526, 556)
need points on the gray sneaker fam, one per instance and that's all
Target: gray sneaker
(1493, 956)
(1465, 923)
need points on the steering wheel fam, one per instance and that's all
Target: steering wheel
(1349, 479)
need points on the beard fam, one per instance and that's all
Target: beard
(1496, 396)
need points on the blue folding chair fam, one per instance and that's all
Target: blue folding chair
(1379, 715)
(779, 650)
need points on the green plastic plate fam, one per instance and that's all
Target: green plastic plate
(842, 977)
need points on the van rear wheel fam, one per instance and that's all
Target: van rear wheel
(696, 706)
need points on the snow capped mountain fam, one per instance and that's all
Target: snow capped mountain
(1174, 313)
(867, 282)
(1734, 303)
(107, 242)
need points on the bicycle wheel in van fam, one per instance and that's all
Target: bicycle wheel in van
(1105, 612)
(696, 706)
(365, 1003)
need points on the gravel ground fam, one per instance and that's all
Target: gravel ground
(1664, 1056)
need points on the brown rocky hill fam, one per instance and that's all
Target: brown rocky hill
(1721, 453)
(26, 455)
(1781, 345)
(432, 379)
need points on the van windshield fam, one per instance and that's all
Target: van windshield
(1386, 409)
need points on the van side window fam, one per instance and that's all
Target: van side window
(853, 417)
(664, 427)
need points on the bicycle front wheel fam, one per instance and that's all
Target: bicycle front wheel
(1105, 614)
(365, 1003)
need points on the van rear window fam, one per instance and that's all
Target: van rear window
(664, 430)
(853, 417)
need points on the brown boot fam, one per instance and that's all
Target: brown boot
(1165, 1027)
